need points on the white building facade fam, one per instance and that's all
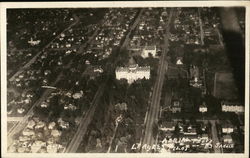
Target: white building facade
(132, 73)
(232, 107)
(147, 50)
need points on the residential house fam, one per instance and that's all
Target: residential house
(203, 107)
(190, 131)
(56, 133)
(52, 148)
(227, 139)
(51, 125)
(39, 125)
(149, 50)
(167, 126)
(36, 146)
(229, 106)
(227, 127)
(28, 132)
(31, 124)
(176, 106)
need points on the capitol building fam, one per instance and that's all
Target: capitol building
(132, 72)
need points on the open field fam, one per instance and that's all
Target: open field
(224, 86)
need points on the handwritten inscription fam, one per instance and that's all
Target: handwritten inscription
(207, 145)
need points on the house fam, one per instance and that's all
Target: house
(227, 127)
(44, 105)
(51, 125)
(195, 83)
(98, 69)
(190, 131)
(31, 124)
(87, 62)
(20, 110)
(227, 139)
(122, 106)
(77, 95)
(34, 42)
(203, 107)
(179, 61)
(230, 106)
(203, 127)
(24, 138)
(39, 125)
(176, 107)
(62, 123)
(149, 50)
(28, 132)
(56, 133)
(52, 148)
(70, 107)
(167, 126)
(36, 146)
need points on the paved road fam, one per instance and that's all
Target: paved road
(215, 81)
(152, 117)
(214, 136)
(137, 20)
(219, 37)
(201, 28)
(86, 120)
(112, 138)
(22, 124)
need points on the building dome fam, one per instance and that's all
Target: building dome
(132, 64)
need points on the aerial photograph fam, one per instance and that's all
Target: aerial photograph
(125, 80)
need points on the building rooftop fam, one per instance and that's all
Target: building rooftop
(132, 67)
(150, 47)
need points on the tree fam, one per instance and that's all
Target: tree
(42, 113)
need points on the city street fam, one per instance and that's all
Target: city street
(201, 28)
(76, 140)
(157, 79)
(215, 136)
(152, 117)
(85, 121)
(20, 125)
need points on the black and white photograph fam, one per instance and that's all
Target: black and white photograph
(125, 78)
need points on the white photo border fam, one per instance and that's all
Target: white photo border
(117, 4)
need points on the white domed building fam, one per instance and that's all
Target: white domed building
(132, 72)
